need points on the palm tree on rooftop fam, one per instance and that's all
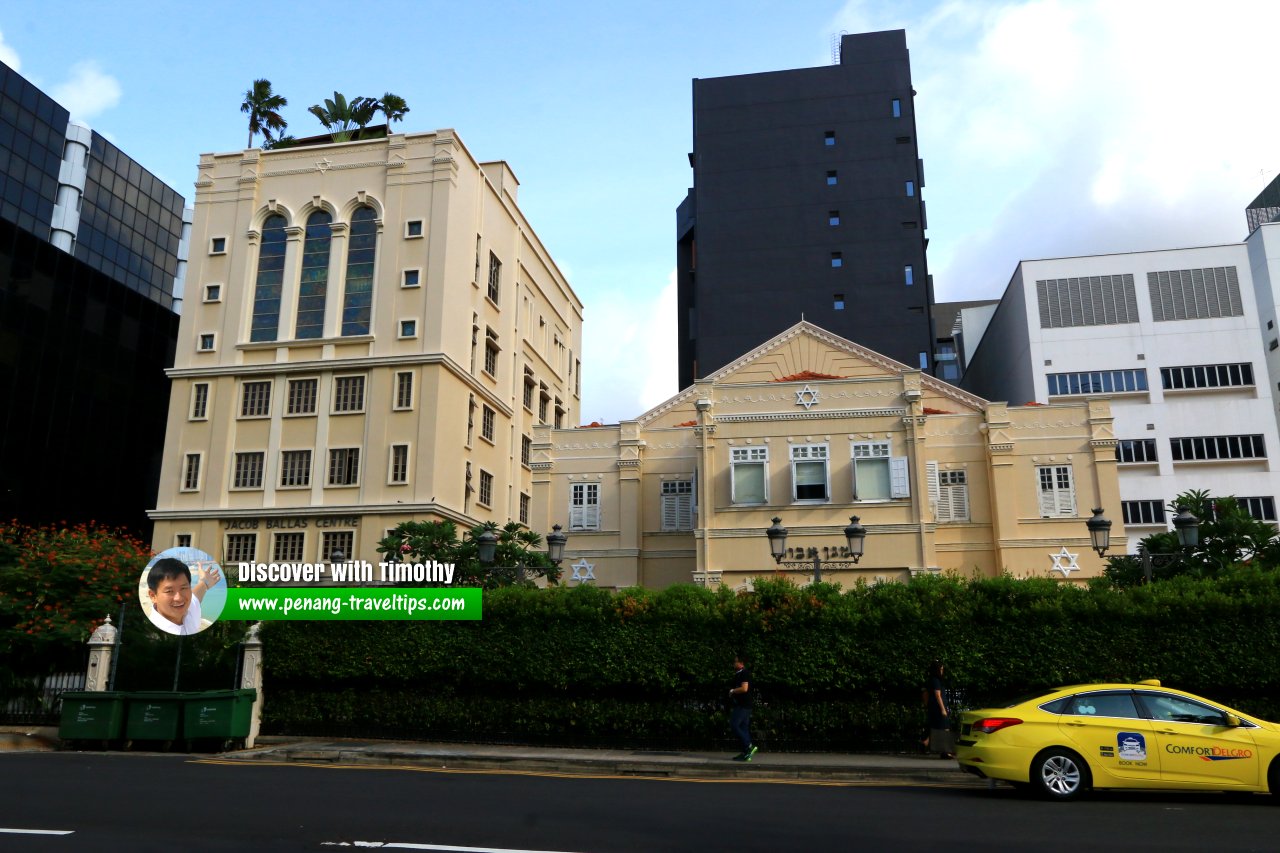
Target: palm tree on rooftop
(342, 118)
(393, 107)
(263, 107)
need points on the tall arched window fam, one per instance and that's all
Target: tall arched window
(315, 276)
(265, 325)
(362, 246)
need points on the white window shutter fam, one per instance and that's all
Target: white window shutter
(957, 501)
(693, 505)
(1067, 497)
(575, 518)
(899, 483)
(935, 501)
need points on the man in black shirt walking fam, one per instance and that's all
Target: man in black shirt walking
(740, 714)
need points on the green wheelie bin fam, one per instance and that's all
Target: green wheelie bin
(221, 715)
(91, 716)
(154, 716)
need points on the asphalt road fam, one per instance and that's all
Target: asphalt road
(175, 803)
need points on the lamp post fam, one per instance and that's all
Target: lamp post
(854, 536)
(1186, 525)
(487, 547)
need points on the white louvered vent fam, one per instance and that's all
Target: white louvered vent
(1099, 300)
(1195, 294)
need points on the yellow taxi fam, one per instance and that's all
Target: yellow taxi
(1140, 735)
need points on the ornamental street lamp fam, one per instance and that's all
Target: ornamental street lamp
(854, 536)
(1186, 525)
(487, 547)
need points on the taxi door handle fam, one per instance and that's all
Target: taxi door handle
(1168, 732)
(1076, 725)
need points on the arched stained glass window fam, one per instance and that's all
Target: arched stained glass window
(315, 276)
(362, 246)
(265, 325)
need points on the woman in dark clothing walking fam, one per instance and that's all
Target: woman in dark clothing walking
(937, 712)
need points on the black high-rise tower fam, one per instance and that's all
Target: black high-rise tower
(806, 200)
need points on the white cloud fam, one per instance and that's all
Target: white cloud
(8, 55)
(88, 92)
(1052, 128)
(630, 354)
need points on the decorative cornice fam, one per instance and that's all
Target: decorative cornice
(541, 466)
(1104, 442)
(810, 415)
(628, 463)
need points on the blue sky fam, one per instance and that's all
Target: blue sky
(1047, 128)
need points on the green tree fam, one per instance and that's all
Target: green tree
(342, 118)
(393, 107)
(1229, 538)
(57, 584)
(516, 559)
(263, 106)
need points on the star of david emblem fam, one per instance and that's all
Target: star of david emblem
(323, 165)
(806, 397)
(583, 571)
(1068, 567)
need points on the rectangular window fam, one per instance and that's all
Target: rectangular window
(295, 468)
(289, 547)
(348, 394)
(897, 108)
(584, 506)
(677, 505)
(559, 409)
(949, 494)
(486, 488)
(404, 390)
(336, 545)
(207, 342)
(302, 397)
(524, 509)
(491, 350)
(910, 188)
(1057, 491)
(1263, 509)
(1136, 450)
(399, 472)
(749, 466)
(182, 540)
(495, 276)
(877, 474)
(255, 400)
(526, 450)
(486, 424)
(200, 401)
(809, 472)
(344, 466)
(1201, 448)
(837, 260)
(408, 328)
(529, 386)
(241, 548)
(413, 228)
(412, 278)
(924, 360)
(1097, 382)
(213, 293)
(544, 399)
(829, 138)
(833, 178)
(217, 245)
(191, 473)
(908, 274)
(247, 471)
(1207, 376)
(1148, 513)
(833, 217)
(837, 302)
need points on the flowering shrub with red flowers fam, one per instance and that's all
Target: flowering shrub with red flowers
(57, 584)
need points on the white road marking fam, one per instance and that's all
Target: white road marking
(37, 831)
(448, 848)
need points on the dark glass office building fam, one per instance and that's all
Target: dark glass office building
(806, 202)
(89, 254)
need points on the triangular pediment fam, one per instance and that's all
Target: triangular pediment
(807, 353)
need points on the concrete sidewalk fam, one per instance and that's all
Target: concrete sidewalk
(814, 767)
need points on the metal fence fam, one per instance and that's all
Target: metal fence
(38, 700)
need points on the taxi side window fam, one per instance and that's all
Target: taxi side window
(1115, 704)
(1176, 709)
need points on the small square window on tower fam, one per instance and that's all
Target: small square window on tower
(838, 302)
(837, 260)
(833, 178)
(829, 138)
(412, 278)
(413, 228)
(217, 245)
(833, 217)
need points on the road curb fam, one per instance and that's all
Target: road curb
(765, 767)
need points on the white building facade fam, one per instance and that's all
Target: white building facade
(1175, 340)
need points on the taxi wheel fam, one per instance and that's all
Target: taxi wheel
(1059, 774)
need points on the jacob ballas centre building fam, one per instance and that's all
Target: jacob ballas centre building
(811, 429)
(372, 331)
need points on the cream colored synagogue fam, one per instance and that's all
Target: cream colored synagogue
(812, 428)
(371, 332)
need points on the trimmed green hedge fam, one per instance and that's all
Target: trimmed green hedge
(833, 669)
